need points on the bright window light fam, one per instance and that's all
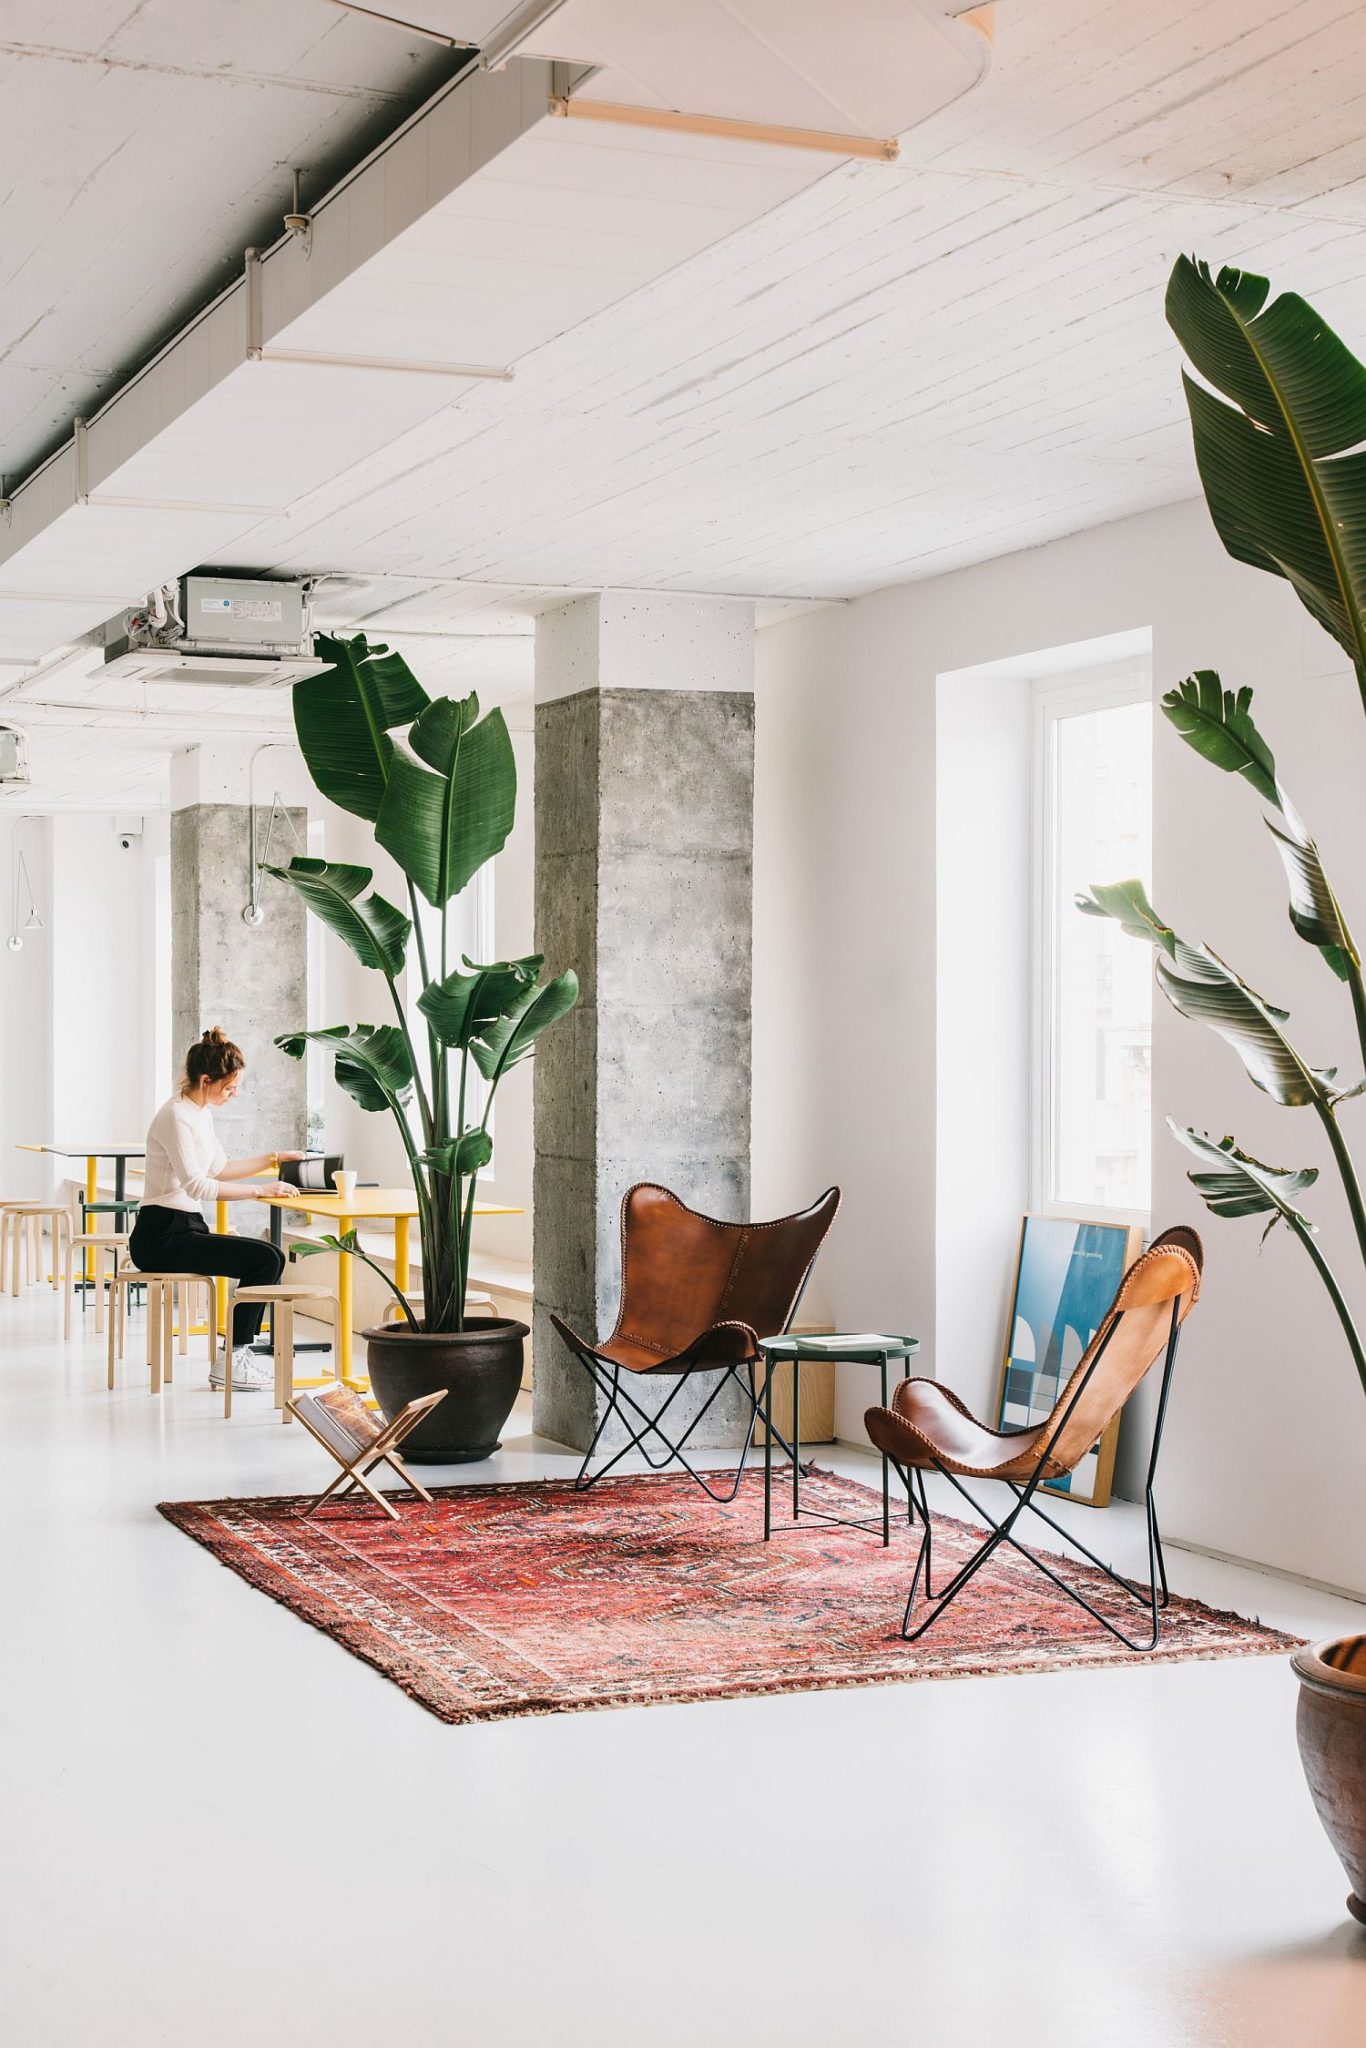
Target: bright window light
(1093, 813)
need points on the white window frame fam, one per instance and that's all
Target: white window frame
(1055, 697)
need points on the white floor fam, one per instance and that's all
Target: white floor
(216, 1827)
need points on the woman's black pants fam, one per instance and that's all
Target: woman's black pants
(174, 1241)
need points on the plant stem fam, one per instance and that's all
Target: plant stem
(1358, 988)
(424, 1106)
(347, 1251)
(436, 1059)
(1347, 1172)
(1349, 1328)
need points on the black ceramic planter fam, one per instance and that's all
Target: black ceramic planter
(480, 1369)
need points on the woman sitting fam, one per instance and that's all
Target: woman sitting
(186, 1167)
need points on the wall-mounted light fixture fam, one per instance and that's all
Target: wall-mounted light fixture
(252, 913)
(21, 892)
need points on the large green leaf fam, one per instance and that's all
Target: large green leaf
(1314, 908)
(1127, 903)
(371, 1060)
(1283, 490)
(512, 1038)
(1219, 725)
(1242, 1186)
(344, 716)
(442, 821)
(463, 1155)
(1221, 728)
(462, 1006)
(1200, 985)
(375, 931)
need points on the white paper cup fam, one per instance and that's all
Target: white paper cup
(344, 1182)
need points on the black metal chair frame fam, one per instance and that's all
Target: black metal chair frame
(607, 1377)
(1154, 1597)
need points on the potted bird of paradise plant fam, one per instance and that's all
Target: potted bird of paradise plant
(438, 784)
(1278, 412)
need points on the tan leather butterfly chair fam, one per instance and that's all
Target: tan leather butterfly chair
(927, 1428)
(696, 1297)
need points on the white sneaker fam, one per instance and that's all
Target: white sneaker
(250, 1371)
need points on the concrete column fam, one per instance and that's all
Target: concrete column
(644, 884)
(252, 981)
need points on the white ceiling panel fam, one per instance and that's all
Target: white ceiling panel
(874, 67)
(883, 373)
(142, 148)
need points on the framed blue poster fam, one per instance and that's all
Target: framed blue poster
(1066, 1276)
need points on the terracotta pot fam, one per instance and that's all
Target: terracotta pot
(1331, 1726)
(480, 1369)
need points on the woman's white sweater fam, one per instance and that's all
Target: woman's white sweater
(183, 1155)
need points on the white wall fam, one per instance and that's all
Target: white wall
(78, 1022)
(26, 1015)
(1267, 1435)
(983, 1012)
(103, 955)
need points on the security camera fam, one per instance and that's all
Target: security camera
(126, 841)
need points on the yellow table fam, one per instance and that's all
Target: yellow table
(365, 1205)
(120, 1154)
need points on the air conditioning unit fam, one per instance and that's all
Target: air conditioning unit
(13, 755)
(221, 631)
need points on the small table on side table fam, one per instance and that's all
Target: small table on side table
(865, 1349)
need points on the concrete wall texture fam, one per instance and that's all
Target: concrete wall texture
(252, 983)
(644, 883)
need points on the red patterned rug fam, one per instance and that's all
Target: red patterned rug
(534, 1599)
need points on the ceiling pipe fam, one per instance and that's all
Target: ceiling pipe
(412, 28)
(85, 715)
(506, 38)
(314, 359)
(879, 150)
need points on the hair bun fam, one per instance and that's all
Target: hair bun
(213, 1057)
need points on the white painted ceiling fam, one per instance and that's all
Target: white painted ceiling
(143, 145)
(907, 368)
(896, 370)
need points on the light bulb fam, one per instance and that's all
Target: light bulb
(15, 943)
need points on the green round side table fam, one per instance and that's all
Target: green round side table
(865, 1349)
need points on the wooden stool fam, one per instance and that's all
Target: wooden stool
(96, 1242)
(280, 1299)
(161, 1289)
(33, 1213)
(18, 1239)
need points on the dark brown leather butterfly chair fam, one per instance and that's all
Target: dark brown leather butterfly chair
(696, 1297)
(928, 1429)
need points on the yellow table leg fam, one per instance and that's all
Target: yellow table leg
(344, 1303)
(220, 1285)
(401, 1254)
(92, 1190)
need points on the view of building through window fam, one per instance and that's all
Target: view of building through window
(1096, 817)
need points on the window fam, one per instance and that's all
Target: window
(1093, 986)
